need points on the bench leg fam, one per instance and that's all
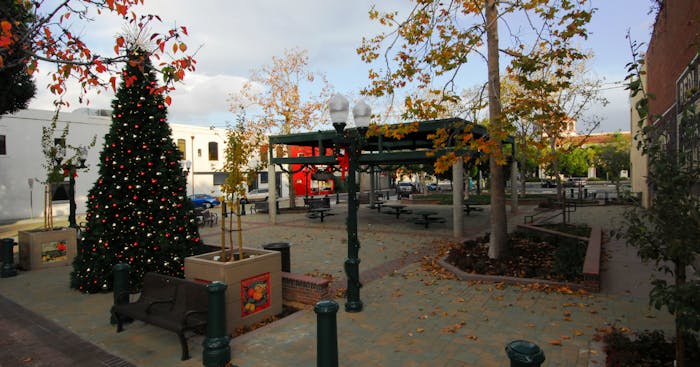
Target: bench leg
(120, 322)
(183, 343)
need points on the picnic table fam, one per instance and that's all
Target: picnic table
(319, 213)
(396, 209)
(427, 217)
(469, 207)
(378, 204)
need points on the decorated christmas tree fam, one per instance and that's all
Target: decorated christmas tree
(138, 212)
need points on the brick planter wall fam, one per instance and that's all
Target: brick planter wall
(305, 289)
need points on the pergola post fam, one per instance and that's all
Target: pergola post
(458, 198)
(272, 193)
(514, 187)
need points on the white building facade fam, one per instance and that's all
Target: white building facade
(21, 158)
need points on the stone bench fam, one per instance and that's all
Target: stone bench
(591, 264)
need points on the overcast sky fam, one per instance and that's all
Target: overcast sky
(238, 36)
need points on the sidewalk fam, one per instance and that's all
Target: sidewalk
(410, 318)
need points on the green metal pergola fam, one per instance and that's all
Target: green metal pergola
(359, 149)
(413, 148)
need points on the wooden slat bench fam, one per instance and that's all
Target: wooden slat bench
(174, 304)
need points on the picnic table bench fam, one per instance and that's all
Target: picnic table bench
(319, 208)
(469, 207)
(397, 209)
(426, 217)
(174, 304)
(205, 216)
(263, 206)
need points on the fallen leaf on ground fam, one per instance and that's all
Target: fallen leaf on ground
(453, 328)
(554, 342)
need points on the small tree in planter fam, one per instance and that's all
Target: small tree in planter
(57, 160)
(240, 145)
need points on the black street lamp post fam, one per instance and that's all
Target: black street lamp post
(71, 169)
(352, 141)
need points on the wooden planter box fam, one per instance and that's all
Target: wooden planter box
(254, 289)
(40, 249)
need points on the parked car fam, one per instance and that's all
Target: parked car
(204, 201)
(433, 187)
(257, 195)
(404, 189)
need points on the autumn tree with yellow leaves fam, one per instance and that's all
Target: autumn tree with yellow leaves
(277, 90)
(428, 47)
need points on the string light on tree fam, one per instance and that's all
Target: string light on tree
(139, 202)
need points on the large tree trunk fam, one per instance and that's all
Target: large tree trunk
(555, 169)
(523, 170)
(499, 228)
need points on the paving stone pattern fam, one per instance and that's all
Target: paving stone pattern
(410, 318)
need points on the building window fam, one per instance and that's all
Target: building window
(213, 151)
(182, 148)
(263, 177)
(3, 148)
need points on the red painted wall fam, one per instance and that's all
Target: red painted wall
(303, 183)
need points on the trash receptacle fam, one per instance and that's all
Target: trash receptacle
(523, 353)
(243, 202)
(8, 262)
(282, 247)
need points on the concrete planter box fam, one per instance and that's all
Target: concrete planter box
(40, 249)
(254, 284)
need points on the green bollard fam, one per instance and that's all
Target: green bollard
(8, 258)
(326, 334)
(120, 288)
(523, 353)
(217, 351)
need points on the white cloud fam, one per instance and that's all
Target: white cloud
(239, 36)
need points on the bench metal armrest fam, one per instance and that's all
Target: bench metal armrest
(166, 301)
(191, 313)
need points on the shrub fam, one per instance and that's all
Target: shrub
(645, 349)
(568, 258)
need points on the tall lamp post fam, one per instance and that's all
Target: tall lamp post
(351, 140)
(71, 169)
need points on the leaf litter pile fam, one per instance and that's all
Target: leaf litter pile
(528, 256)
